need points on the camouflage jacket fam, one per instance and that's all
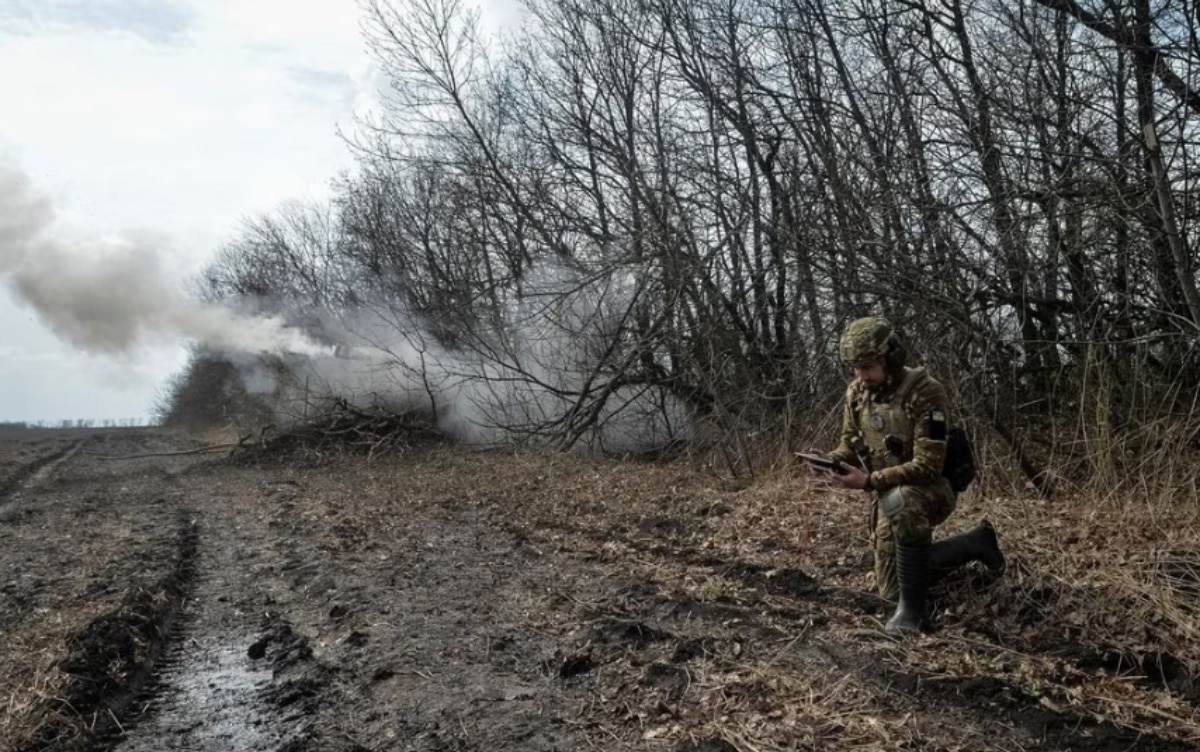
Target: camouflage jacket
(897, 433)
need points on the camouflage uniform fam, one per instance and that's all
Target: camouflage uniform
(895, 428)
(898, 434)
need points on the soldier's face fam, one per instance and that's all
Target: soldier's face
(871, 373)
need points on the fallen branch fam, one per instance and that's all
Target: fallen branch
(202, 450)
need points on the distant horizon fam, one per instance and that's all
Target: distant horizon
(64, 423)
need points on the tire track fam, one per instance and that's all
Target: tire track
(167, 665)
(114, 658)
(171, 668)
(33, 473)
(212, 691)
(207, 693)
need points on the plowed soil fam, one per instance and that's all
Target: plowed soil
(157, 596)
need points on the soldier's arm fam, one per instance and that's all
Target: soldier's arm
(930, 410)
(844, 452)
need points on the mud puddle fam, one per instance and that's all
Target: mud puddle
(212, 697)
(212, 690)
(190, 680)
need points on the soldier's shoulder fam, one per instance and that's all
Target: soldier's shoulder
(922, 384)
(926, 377)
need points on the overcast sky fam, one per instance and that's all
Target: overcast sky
(176, 120)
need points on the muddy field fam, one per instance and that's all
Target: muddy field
(155, 596)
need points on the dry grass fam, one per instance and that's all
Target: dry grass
(1100, 587)
(56, 579)
(31, 680)
(787, 671)
(1115, 577)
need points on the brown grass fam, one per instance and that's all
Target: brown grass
(31, 680)
(1083, 572)
(1113, 574)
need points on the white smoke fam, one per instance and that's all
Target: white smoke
(538, 376)
(106, 296)
(542, 372)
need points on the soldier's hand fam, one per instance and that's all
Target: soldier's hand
(850, 477)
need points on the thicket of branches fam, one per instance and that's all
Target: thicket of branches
(1010, 181)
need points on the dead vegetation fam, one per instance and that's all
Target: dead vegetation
(692, 612)
(341, 431)
(772, 637)
(1095, 620)
(109, 661)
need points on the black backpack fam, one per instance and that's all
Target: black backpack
(959, 467)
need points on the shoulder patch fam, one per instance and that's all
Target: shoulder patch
(937, 424)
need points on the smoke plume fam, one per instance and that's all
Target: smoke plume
(540, 373)
(538, 376)
(106, 296)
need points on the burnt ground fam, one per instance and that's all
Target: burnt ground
(154, 596)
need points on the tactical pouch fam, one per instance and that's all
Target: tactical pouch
(896, 447)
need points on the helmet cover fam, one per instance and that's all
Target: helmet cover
(865, 340)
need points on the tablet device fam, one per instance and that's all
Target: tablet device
(822, 463)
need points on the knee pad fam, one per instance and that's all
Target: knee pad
(891, 503)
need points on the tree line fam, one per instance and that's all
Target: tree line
(1010, 181)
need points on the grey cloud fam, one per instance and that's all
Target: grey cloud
(159, 21)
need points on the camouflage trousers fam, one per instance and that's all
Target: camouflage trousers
(906, 515)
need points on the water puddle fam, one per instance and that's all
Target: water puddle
(210, 700)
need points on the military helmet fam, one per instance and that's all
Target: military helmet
(871, 338)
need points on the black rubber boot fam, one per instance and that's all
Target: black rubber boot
(912, 570)
(979, 544)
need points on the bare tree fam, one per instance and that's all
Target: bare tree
(702, 193)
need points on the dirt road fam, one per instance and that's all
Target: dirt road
(440, 598)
